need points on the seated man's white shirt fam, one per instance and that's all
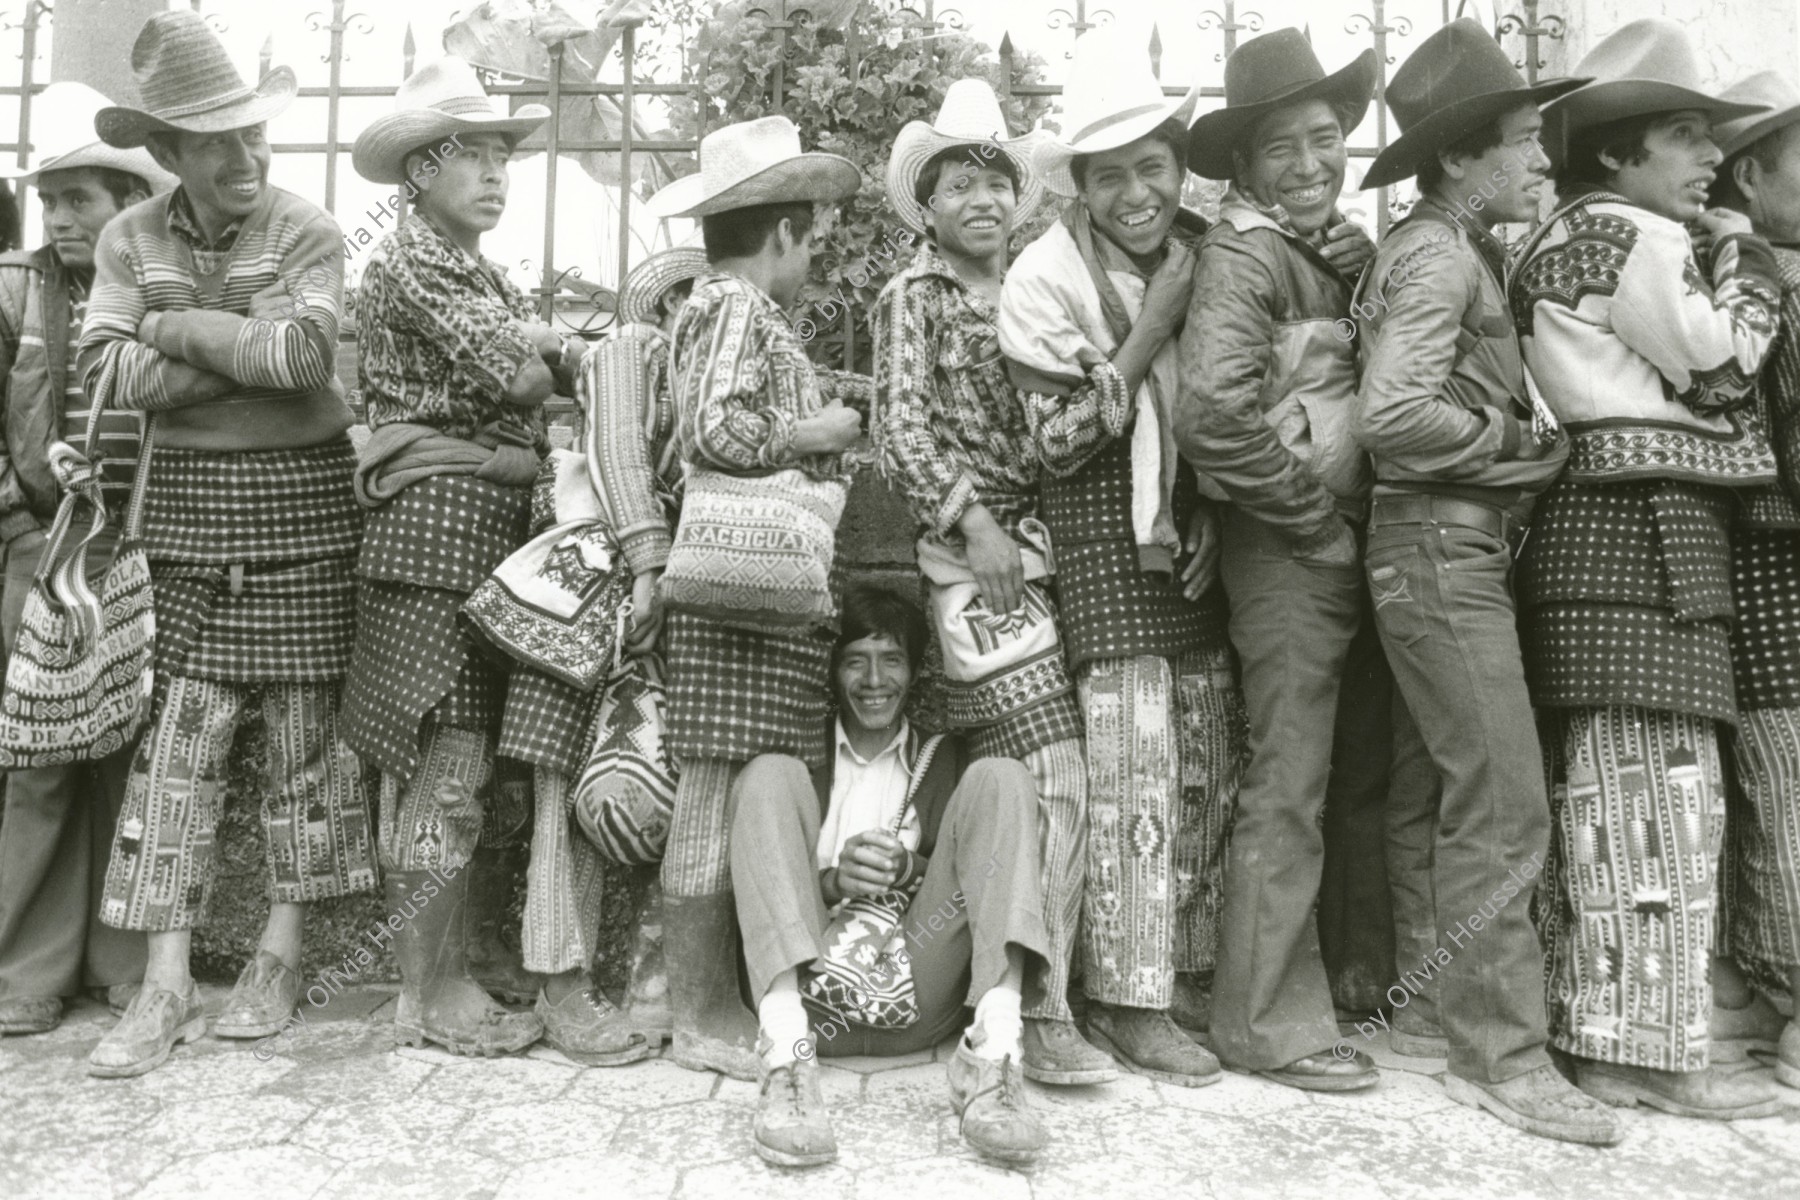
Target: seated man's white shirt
(866, 793)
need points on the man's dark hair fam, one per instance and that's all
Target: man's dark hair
(120, 184)
(1170, 133)
(1622, 139)
(871, 611)
(925, 186)
(1766, 150)
(743, 232)
(1473, 144)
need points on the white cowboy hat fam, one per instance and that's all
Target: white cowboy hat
(1770, 88)
(63, 130)
(1112, 99)
(1644, 66)
(970, 116)
(189, 83)
(755, 162)
(438, 100)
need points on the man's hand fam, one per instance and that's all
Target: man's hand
(995, 559)
(1342, 550)
(1348, 247)
(831, 430)
(1166, 298)
(1723, 222)
(275, 303)
(1201, 545)
(870, 863)
(545, 339)
(646, 613)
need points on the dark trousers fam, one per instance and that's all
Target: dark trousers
(981, 894)
(55, 838)
(1445, 611)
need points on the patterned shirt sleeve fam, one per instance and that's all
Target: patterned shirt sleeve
(614, 389)
(1707, 344)
(911, 448)
(725, 373)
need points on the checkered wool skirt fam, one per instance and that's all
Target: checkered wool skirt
(734, 694)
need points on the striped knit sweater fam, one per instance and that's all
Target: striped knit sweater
(223, 381)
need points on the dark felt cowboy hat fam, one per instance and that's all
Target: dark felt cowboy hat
(1267, 73)
(188, 82)
(1458, 80)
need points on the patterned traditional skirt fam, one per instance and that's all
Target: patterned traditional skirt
(1628, 905)
(1763, 869)
(734, 694)
(545, 719)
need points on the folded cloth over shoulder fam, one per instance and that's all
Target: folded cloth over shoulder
(400, 455)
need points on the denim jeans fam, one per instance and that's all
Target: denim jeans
(1445, 610)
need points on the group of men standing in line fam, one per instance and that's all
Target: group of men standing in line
(1182, 490)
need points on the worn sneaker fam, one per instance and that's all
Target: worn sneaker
(1710, 1093)
(30, 1014)
(996, 1116)
(1146, 1042)
(1056, 1053)
(266, 995)
(1541, 1102)
(793, 1128)
(588, 1028)
(155, 1023)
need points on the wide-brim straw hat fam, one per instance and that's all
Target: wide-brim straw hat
(188, 83)
(1268, 73)
(1458, 80)
(62, 131)
(1770, 89)
(969, 116)
(1112, 99)
(645, 283)
(756, 162)
(1642, 67)
(440, 100)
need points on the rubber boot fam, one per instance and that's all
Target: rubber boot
(714, 1031)
(496, 963)
(439, 1002)
(647, 996)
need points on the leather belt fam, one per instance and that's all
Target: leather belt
(1426, 509)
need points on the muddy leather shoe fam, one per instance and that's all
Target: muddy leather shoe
(266, 995)
(1326, 1071)
(118, 997)
(30, 1014)
(1542, 1102)
(1417, 1038)
(1146, 1042)
(1057, 1054)
(1711, 1094)
(156, 1022)
(793, 1128)
(588, 1028)
(1191, 1005)
(996, 1116)
(1755, 1026)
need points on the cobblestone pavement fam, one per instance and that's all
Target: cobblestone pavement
(338, 1113)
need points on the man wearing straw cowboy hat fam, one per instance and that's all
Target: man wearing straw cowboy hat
(455, 369)
(1760, 177)
(747, 401)
(59, 821)
(1650, 366)
(1087, 322)
(215, 309)
(1268, 386)
(1445, 413)
(950, 428)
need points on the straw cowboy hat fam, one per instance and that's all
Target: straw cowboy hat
(756, 162)
(645, 284)
(1112, 99)
(439, 100)
(1644, 66)
(1271, 72)
(63, 130)
(1769, 89)
(1458, 80)
(188, 82)
(970, 116)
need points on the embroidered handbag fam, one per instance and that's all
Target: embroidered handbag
(756, 551)
(626, 793)
(78, 681)
(865, 974)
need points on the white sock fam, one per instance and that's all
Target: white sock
(1002, 1028)
(783, 1021)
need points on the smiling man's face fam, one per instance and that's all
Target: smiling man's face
(1133, 193)
(1296, 160)
(873, 677)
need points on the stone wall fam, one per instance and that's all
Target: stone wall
(1735, 37)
